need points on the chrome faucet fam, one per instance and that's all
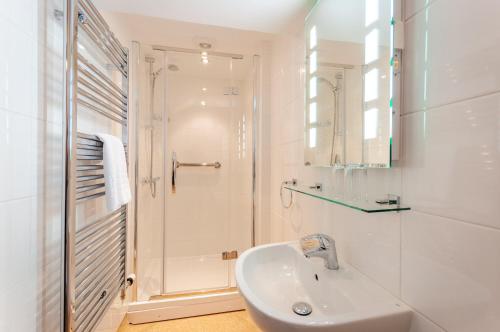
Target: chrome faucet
(323, 246)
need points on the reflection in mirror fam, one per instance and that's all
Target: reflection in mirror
(349, 77)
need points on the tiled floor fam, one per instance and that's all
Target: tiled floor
(237, 321)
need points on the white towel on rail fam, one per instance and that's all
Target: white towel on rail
(115, 172)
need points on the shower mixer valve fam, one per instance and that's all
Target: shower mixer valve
(149, 180)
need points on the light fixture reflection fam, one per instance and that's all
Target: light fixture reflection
(313, 38)
(312, 137)
(371, 46)
(371, 85)
(371, 11)
(313, 62)
(313, 113)
(313, 87)
(371, 123)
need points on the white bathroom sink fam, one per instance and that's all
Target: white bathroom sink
(273, 277)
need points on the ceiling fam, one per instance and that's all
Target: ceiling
(256, 15)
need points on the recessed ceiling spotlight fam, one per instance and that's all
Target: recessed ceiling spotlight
(205, 45)
(173, 67)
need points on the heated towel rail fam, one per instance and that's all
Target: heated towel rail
(95, 252)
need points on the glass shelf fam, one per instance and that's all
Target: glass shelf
(360, 205)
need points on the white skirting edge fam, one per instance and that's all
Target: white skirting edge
(158, 310)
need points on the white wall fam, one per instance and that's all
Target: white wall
(442, 257)
(31, 165)
(451, 240)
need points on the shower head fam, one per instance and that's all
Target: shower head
(333, 88)
(157, 73)
(324, 80)
(151, 60)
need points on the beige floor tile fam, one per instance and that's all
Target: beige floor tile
(237, 321)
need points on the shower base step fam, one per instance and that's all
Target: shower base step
(174, 306)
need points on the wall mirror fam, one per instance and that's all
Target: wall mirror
(349, 83)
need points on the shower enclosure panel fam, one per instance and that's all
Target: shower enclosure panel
(150, 199)
(193, 217)
(208, 209)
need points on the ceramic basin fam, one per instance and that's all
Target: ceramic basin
(273, 277)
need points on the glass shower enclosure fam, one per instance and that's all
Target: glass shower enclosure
(194, 170)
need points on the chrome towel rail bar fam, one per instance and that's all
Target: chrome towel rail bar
(116, 104)
(98, 103)
(85, 230)
(100, 111)
(96, 74)
(105, 97)
(95, 253)
(92, 23)
(113, 250)
(103, 26)
(90, 171)
(104, 47)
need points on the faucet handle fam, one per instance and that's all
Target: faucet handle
(315, 242)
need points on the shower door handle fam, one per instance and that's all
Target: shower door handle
(175, 165)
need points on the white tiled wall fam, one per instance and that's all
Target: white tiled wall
(451, 175)
(442, 257)
(31, 165)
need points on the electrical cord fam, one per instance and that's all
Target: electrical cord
(290, 203)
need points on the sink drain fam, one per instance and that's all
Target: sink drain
(302, 308)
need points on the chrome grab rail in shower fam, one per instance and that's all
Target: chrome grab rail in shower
(174, 172)
(176, 164)
(96, 253)
(214, 165)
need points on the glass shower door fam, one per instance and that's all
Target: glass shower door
(208, 167)
(200, 109)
